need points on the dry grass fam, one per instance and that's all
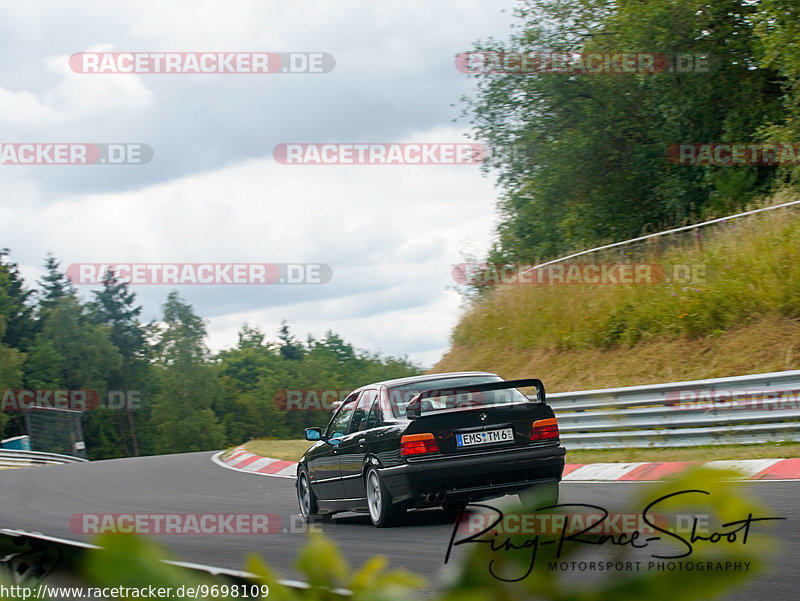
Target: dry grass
(751, 271)
(769, 344)
(744, 319)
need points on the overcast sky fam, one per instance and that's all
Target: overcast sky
(213, 191)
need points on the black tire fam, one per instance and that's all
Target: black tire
(540, 495)
(382, 512)
(305, 498)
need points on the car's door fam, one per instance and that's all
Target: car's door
(383, 440)
(353, 446)
(324, 470)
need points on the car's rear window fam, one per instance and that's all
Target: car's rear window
(400, 396)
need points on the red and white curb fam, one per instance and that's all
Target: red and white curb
(750, 469)
(241, 460)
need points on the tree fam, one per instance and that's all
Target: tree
(183, 333)
(54, 285)
(77, 352)
(289, 348)
(182, 417)
(15, 305)
(246, 406)
(777, 24)
(11, 361)
(73, 353)
(114, 306)
(15, 314)
(581, 158)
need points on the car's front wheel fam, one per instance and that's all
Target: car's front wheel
(381, 510)
(305, 497)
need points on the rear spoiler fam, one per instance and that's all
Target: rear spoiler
(414, 407)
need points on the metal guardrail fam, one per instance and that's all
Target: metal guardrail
(685, 228)
(740, 410)
(14, 458)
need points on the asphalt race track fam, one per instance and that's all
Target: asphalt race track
(43, 499)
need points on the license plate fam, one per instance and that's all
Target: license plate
(485, 437)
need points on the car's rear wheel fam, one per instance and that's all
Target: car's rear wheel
(305, 497)
(381, 510)
(540, 495)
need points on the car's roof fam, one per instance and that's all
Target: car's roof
(427, 378)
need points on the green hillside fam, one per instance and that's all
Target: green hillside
(740, 315)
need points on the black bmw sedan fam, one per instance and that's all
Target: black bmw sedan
(434, 440)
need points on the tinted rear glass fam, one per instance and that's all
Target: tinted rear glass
(400, 396)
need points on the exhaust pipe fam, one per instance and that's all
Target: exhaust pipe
(435, 498)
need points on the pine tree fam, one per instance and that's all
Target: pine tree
(114, 306)
(54, 285)
(16, 306)
(183, 419)
(289, 348)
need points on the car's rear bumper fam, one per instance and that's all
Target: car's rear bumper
(474, 476)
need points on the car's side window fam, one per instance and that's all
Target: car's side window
(338, 425)
(362, 409)
(374, 418)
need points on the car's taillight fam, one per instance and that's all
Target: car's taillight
(544, 428)
(417, 444)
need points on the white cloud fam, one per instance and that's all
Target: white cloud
(213, 193)
(390, 233)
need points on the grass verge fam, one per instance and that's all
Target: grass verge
(287, 450)
(739, 271)
(292, 450)
(706, 453)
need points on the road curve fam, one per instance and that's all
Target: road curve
(43, 499)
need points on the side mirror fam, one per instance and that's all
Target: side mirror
(313, 433)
